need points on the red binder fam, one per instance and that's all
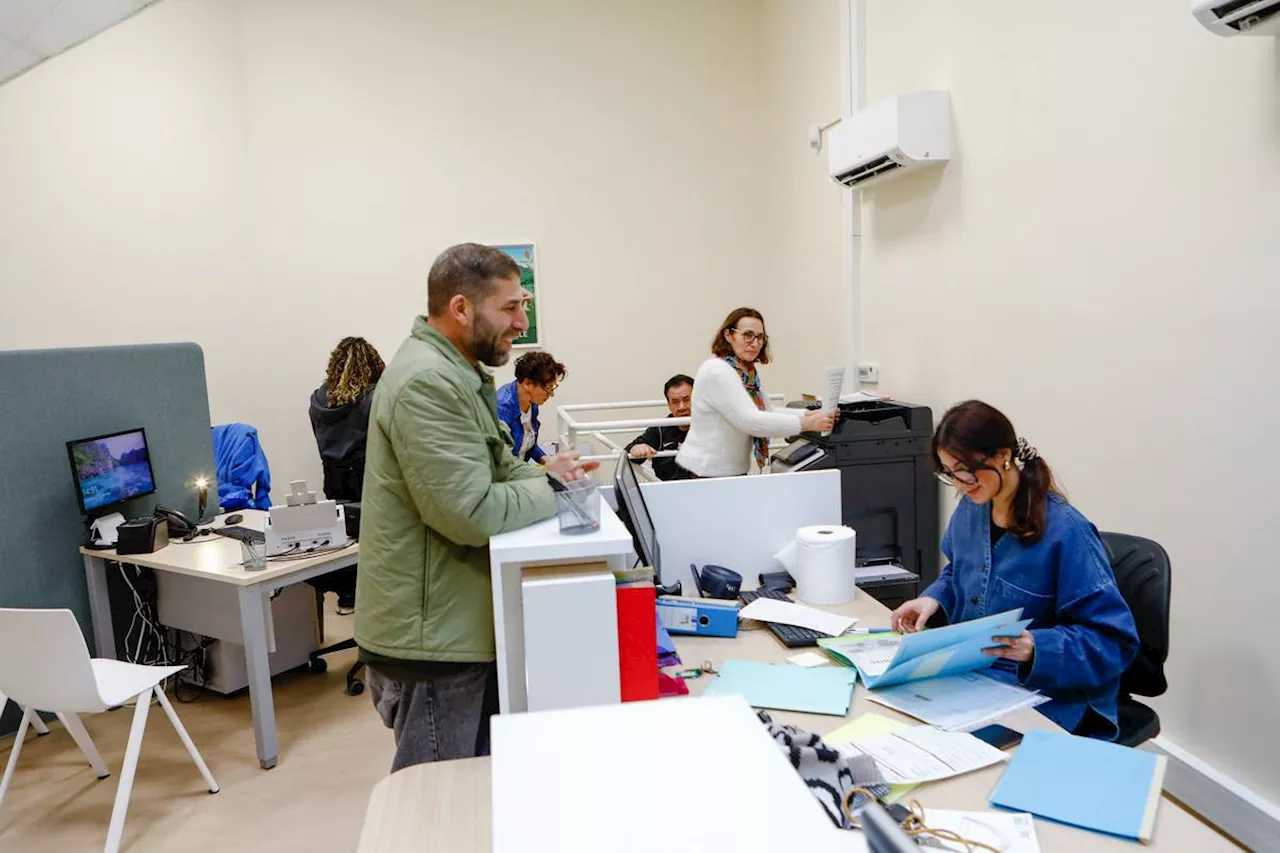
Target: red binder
(638, 642)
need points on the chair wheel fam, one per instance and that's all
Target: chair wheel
(319, 666)
(354, 687)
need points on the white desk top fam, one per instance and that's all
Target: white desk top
(544, 543)
(218, 558)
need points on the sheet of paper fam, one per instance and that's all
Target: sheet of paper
(809, 659)
(790, 613)
(925, 754)
(870, 725)
(957, 702)
(871, 653)
(1009, 832)
(832, 382)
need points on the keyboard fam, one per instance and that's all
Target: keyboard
(244, 534)
(791, 636)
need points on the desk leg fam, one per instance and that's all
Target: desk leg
(104, 635)
(253, 624)
(508, 633)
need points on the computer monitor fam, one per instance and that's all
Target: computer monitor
(635, 514)
(110, 469)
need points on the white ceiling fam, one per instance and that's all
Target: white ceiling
(31, 31)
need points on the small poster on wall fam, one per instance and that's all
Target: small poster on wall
(525, 256)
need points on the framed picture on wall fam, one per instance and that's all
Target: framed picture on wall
(526, 257)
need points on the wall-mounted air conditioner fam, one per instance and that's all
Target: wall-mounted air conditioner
(1238, 17)
(895, 136)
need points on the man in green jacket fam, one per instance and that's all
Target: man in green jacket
(440, 479)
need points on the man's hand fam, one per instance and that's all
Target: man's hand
(568, 467)
(1021, 648)
(643, 451)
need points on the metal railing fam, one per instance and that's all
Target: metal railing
(572, 429)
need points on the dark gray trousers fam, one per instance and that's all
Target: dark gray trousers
(441, 717)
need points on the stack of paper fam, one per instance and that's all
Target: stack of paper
(870, 725)
(887, 660)
(1084, 782)
(782, 687)
(924, 754)
(790, 613)
(958, 703)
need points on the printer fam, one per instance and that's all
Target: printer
(888, 490)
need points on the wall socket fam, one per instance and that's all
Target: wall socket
(868, 374)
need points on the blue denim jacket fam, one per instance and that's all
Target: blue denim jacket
(1083, 630)
(509, 414)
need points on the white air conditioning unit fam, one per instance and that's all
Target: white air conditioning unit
(1238, 17)
(895, 136)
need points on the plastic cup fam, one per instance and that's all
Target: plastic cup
(578, 507)
(253, 556)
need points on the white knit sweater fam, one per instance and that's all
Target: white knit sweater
(724, 420)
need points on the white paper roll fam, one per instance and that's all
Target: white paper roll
(824, 564)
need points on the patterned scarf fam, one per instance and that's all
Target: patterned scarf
(751, 381)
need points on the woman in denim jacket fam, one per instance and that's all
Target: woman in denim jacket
(1014, 541)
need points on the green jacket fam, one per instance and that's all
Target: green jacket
(439, 480)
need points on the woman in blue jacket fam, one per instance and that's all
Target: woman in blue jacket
(1014, 541)
(538, 375)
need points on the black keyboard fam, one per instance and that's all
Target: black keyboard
(791, 636)
(244, 534)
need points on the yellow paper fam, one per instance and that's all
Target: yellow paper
(869, 725)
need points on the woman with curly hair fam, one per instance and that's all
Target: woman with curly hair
(538, 375)
(340, 420)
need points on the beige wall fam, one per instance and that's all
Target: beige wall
(1099, 260)
(275, 175)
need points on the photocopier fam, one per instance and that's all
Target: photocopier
(888, 490)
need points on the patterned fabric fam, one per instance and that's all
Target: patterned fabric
(828, 773)
(751, 381)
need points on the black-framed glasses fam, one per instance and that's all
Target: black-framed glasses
(964, 477)
(551, 387)
(750, 337)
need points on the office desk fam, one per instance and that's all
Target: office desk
(446, 806)
(216, 560)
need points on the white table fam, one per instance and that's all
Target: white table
(216, 560)
(540, 544)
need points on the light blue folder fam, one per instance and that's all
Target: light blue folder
(785, 687)
(953, 650)
(1084, 782)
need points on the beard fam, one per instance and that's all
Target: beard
(488, 345)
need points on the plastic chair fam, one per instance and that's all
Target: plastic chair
(1144, 578)
(68, 682)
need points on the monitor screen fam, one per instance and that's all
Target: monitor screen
(635, 514)
(110, 469)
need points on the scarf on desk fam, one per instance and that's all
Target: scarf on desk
(751, 381)
(828, 774)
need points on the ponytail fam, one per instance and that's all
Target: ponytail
(1031, 503)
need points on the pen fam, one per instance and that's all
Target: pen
(871, 631)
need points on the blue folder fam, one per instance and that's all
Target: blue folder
(785, 687)
(1084, 782)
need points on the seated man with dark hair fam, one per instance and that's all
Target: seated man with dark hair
(679, 394)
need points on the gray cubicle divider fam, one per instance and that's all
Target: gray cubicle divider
(49, 397)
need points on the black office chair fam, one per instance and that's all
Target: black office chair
(1143, 574)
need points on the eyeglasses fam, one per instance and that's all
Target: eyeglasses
(963, 477)
(750, 338)
(550, 388)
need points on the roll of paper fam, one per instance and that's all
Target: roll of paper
(822, 561)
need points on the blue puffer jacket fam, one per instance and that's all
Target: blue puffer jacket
(244, 478)
(1083, 630)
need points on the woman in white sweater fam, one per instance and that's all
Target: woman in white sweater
(731, 419)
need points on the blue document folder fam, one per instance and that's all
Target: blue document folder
(785, 687)
(1084, 782)
(952, 650)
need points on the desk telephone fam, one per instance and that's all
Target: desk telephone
(180, 527)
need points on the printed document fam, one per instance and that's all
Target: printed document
(925, 754)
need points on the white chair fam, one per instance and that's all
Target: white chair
(44, 663)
